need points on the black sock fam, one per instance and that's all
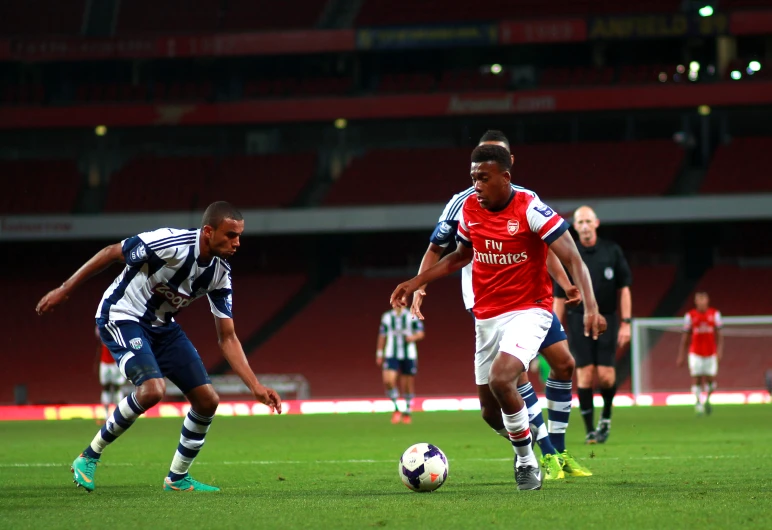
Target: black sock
(608, 399)
(586, 407)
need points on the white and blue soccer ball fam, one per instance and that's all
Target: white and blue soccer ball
(423, 467)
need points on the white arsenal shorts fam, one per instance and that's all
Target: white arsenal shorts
(701, 365)
(110, 374)
(518, 333)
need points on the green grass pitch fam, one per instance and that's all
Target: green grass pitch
(662, 468)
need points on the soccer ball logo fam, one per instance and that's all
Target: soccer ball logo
(423, 467)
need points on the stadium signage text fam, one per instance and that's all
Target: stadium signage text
(656, 26)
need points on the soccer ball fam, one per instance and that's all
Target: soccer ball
(423, 467)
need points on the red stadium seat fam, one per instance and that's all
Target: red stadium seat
(38, 186)
(735, 167)
(42, 17)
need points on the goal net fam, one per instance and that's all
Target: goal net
(654, 349)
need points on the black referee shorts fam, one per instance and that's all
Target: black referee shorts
(588, 352)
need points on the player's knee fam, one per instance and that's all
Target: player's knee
(151, 392)
(491, 416)
(563, 368)
(499, 383)
(606, 379)
(207, 404)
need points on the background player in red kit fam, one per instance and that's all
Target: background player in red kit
(110, 377)
(505, 234)
(705, 344)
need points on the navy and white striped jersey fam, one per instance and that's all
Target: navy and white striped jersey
(445, 232)
(164, 274)
(395, 327)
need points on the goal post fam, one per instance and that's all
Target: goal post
(654, 348)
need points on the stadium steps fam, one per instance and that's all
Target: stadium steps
(312, 287)
(687, 182)
(339, 14)
(99, 19)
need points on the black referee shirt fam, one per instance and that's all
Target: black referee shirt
(609, 272)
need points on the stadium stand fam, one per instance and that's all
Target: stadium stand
(206, 16)
(256, 298)
(41, 17)
(332, 341)
(735, 167)
(198, 181)
(38, 186)
(396, 12)
(592, 169)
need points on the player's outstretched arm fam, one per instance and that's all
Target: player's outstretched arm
(565, 249)
(456, 260)
(573, 296)
(430, 259)
(101, 260)
(230, 345)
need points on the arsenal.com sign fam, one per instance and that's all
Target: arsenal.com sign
(497, 104)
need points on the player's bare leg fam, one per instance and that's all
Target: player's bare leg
(390, 385)
(502, 380)
(407, 387)
(203, 405)
(607, 381)
(584, 382)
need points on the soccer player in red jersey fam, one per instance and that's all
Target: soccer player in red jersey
(702, 338)
(505, 234)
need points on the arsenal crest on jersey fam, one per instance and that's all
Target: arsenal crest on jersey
(513, 227)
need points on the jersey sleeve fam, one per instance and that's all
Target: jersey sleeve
(221, 297)
(416, 325)
(447, 224)
(135, 251)
(623, 275)
(717, 320)
(462, 236)
(687, 323)
(544, 221)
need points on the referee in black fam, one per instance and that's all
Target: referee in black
(611, 280)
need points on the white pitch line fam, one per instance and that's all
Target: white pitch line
(338, 462)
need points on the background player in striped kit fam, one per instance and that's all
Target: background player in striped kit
(165, 271)
(555, 461)
(110, 377)
(505, 233)
(397, 356)
(703, 339)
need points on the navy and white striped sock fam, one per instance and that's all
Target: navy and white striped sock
(194, 429)
(393, 394)
(123, 417)
(559, 410)
(536, 419)
(408, 402)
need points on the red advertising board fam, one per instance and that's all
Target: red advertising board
(750, 22)
(220, 45)
(392, 106)
(542, 31)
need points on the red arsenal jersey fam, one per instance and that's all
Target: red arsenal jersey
(509, 267)
(703, 328)
(105, 356)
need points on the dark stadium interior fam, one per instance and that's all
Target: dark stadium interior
(155, 126)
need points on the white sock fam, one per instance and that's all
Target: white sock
(696, 391)
(502, 432)
(520, 436)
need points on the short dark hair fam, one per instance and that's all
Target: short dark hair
(492, 153)
(493, 135)
(218, 211)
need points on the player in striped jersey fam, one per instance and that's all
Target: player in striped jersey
(165, 271)
(397, 356)
(555, 461)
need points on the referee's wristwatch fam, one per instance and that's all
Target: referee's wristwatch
(627, 320)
